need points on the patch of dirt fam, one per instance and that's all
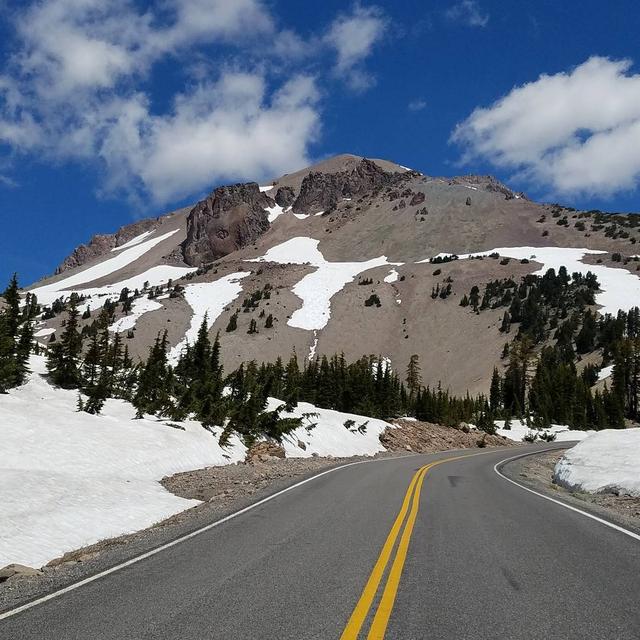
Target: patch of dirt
(225, 485)
(426, 437)
(537, 472)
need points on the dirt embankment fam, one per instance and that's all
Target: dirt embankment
(426, 437)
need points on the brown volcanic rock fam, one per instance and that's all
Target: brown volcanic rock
(102, 244)
(227, 220)
(323, 191)
(425, 437)
(285, 197)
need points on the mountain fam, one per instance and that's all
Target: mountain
(343, 257)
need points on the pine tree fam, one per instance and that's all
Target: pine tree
(495, 391)
(233, 323)
(414, 377)
(269, 323)
(253, 328)
(63, 362)
(12, 298)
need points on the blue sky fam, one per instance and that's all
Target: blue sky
(113, 111)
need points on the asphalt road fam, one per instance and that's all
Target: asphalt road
(474, 557)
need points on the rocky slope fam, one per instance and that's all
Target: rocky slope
(338, 255)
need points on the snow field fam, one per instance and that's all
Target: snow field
(50, 292)
(70, 479)
(606, 462)
(139, 307)
(330, 437)
(316, 289)
(210, 299)
(133, 242)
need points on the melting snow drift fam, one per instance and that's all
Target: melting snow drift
(606, 462)
(70, 479)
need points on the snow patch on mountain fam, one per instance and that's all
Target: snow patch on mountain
(619, 288)
(210, 299)
(316, 289)
(392, 276)
(133, 242)
(606, 462)
(139, 307)
(49, 292)
(273, 213)
(605, 372)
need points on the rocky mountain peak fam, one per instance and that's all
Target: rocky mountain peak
(228, 219)
(322, 191)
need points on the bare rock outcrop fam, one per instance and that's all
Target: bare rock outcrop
(426, 437)
(323, 191)
(285, 197)
(102, 244)
(230, 218)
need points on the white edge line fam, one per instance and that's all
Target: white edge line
(184, 538)
(631, 534)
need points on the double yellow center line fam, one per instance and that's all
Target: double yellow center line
(410, 505)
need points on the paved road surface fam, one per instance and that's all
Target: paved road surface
(470, 556)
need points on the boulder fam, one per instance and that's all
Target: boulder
(264, 451)
(13, 570)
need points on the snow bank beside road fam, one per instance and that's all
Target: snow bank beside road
(69, 479)
(606, 462)
(330, 436)
(519, 430)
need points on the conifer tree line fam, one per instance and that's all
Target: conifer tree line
(16, 336)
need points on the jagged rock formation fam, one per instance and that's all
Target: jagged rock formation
(285, 197)
(101, 244)
(230, 218)
(323, 191)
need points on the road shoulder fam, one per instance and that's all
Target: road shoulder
(536, 472)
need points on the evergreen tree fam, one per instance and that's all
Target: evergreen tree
(63, 362)
(414, 377)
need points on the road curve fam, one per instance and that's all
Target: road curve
(406, 548)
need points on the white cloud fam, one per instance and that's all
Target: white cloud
(80, 85)
(218, 131)
(573, 132)
(468, 12)
(353, 36)
(72, 91)
(417, 105)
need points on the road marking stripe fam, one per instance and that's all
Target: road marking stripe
(497, 466)
(381, 618)
(184, 538)
(363, 606)
(361, 609)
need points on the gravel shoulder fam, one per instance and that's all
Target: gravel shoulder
(536, 472)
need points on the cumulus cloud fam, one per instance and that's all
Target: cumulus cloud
(573, 132)
(80, 86)
(77, 88)
(226, 129)
(353, 36)
(468, 12)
